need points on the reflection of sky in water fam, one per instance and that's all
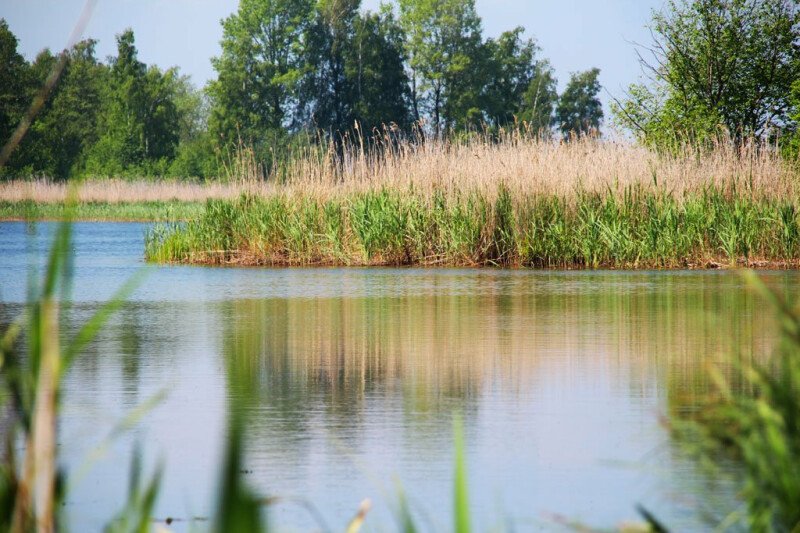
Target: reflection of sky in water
(561, 378)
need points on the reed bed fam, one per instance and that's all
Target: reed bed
(531, 165)
(115, 191)
(161, 211)
(638, 228)
(520, 162)
(511, 200)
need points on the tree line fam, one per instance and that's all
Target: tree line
(294, 72)
(290, 71)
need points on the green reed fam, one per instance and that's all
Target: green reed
(160, 211)
(638, 228)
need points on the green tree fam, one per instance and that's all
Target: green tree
(715, 66)
(67, 126)
(540, 100)
(31, 155)
(258, 70)
(14, 88)
(376, 70)
(121, 144)
(327, 96)
(511, 67)
(195, 155)
(579, 111)
(140, 121)
(445, 53)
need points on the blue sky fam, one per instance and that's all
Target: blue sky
(574, 34)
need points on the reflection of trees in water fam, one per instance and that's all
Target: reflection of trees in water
(332, 356)
(134, 333)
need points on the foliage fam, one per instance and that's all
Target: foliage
(579, 110)
(540, 100)
(117, 119)
(140, 122)
(715, 65)
(67, 128)
(327, 90)
(13, 84)
(376, 70)
(443, 43)
(259, 69)
(317, 74)
(511, 70)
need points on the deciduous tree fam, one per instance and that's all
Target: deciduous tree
(716, 66)
(579, 110)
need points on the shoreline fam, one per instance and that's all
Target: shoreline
(134, 211)
(717, 263)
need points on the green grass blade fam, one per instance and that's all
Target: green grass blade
(461, 492)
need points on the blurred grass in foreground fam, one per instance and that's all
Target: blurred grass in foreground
(753, 418)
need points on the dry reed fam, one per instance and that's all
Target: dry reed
(520, 163)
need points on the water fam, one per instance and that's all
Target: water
(561, 378)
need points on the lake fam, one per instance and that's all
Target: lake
(562, 380)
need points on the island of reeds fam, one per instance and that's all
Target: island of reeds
(515, 201)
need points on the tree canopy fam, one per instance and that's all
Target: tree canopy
(289, 72)
(579, 110)
(716, 67)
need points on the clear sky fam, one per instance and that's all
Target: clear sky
(573, 34)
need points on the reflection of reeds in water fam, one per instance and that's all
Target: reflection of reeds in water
(441, 346)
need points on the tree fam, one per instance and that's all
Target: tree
(444, 47)
(14, 86)
(258, 69)
(121, 144)
(715, 66)
(540, 100)
(140, 121)
(67, 127)
(579, 110)
(376, 70)
(327, 94)
(510, 69)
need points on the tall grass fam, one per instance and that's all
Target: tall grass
(636, 228)
(512, 200)
(160, 211)
(521, 162)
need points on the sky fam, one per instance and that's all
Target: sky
(574, 34)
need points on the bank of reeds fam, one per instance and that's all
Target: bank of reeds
(636, 228)
(515, 201)
(114, 191)
(168, 211)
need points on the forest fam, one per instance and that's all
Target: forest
(290, 72)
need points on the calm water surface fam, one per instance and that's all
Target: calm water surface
(561, 378)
